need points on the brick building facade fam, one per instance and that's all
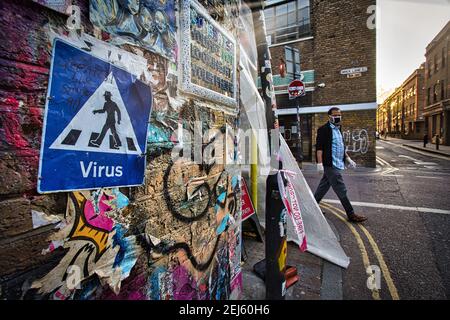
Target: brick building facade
(330, 46)
(437, 84)
(401, 113)
(420, 106)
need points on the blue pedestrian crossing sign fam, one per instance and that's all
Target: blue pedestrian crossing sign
(95, 124)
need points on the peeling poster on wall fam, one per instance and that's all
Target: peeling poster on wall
(57, 5)
(150, 24)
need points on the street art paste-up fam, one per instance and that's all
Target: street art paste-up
(209, 56)
(132, 63)
(95, 126)
(57, 5)
(105, 252)
(247, 205)
(149, 24)
(96, 244)
(201, 266)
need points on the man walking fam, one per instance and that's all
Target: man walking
(331, 159)
(111, 108)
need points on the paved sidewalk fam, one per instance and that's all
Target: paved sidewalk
(418, 145)
(319, 279)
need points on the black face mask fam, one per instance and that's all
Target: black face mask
(335, 120)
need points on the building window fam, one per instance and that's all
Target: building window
(292, 57)
(442, 90)
(433, 125)
(435, 92)
(435, 63)
(428, 96)
(287, 20)
(443, 57)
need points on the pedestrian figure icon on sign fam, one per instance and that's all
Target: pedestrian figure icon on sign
(87, 130)
(111, 108)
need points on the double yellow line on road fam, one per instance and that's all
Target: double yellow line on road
(383, 266)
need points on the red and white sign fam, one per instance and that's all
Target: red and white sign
(296, 89)
(292, 206)
(247, 206)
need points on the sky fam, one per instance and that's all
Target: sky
(405, 27)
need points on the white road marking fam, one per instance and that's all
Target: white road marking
(407, 157)
(391, 206)
(379, 147)
(393, 175)
(428, 154)
(427, 172)
(384, 162)
(418, 162)
(388, 171)
(427, 177)
(439, 173)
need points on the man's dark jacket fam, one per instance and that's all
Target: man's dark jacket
(324, 142)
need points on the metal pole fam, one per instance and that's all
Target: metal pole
(299, 134)
(254, 171)
(274, 265)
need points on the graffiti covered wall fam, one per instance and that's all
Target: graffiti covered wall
(358, 131)
(178, 236)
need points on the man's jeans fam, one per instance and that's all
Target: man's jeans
(332, 177)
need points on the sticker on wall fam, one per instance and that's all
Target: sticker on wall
(150, 24)
(95, 126)
(209, 56)
(247, 205)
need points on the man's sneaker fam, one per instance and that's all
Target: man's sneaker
(94, 143)
(355, 218)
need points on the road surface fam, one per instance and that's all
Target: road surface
(406, 239)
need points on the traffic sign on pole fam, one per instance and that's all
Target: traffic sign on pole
(296, 89)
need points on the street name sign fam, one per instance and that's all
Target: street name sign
(354, 70)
